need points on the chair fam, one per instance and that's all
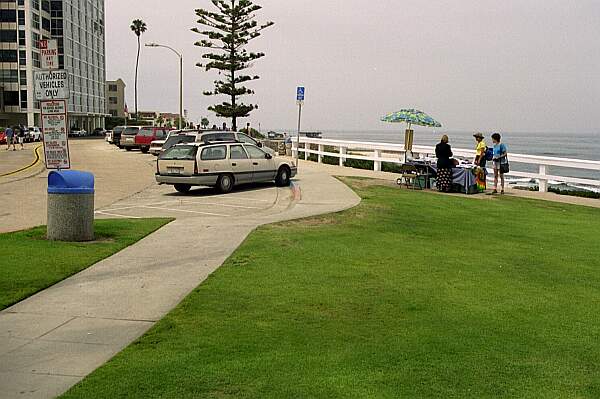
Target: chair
(412, 177)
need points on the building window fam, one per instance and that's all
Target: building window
(113, 100)
(8, 55)
(8, 36)
(36, 20)
(22, 58)
(21, 38)
(35, 4)
(24, 99)
(11, 98)
(8, 16)
(112, 88)
(23, 74)
(9, 76)
(22, 17)
(36, 59)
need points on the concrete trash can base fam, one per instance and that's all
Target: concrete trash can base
(70, 206)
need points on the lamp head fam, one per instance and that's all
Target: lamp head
(151, 45)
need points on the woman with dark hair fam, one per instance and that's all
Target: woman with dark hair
(500, 162)
(443, 152)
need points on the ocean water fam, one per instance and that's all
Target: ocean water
(562, 145)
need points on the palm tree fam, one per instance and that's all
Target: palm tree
(138, 27)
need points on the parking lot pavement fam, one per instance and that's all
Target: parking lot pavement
(118, 174)
(11, 161)
(164, 201)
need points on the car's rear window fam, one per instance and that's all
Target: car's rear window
(173, 140)
(145, 132)
(214, 153)
(131, 131)
(211, 137)
(180, 152)
(118, 130)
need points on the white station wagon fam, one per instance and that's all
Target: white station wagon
(221, 165)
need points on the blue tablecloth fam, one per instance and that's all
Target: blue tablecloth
(463, 179)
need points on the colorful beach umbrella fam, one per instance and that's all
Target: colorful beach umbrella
(411, 117)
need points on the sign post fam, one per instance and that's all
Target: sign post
(300, 94)
(51, 86)
(54, 129)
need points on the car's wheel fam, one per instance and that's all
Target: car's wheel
(128, 148)
(283, 177)
(145, 150)
(183, 188)
(225, 183)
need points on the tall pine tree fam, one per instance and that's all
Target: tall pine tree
(228, 30)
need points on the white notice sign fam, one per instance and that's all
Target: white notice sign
(49, 53)
(54, 129)
(51, 85)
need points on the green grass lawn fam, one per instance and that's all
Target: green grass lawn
(411, 295)
(29, 263)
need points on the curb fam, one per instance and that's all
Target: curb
(35, 162)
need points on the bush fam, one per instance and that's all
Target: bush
(573, 193)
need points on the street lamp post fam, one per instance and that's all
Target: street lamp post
(180, 78)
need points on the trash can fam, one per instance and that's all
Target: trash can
(70, 206)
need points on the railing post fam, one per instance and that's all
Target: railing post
(377, 163)
(320, 155)
(543, 182)
(306, 148)
(343, 151)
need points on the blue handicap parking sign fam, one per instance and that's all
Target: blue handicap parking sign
(300, 94)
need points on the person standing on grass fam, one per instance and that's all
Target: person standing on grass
(10, 137)
(500, 162)
(480, 162)
(443, 152)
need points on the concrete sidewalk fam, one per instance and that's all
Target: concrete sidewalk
(335, 170)
(52, 340)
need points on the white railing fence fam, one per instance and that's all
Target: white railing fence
(395, 153)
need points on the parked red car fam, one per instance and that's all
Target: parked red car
(2, 137)
(148, 134)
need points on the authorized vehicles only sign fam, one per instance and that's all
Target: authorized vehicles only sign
(54, 128)
(51, 85)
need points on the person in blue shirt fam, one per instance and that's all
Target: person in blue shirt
(10, 138)
(500, 162)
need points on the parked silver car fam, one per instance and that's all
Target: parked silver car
(221, 165)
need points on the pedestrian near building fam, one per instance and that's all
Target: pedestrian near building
(21, 136)
(10, 138)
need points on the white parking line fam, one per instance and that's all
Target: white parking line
(117, 215)
(183, 210)
(243, 199)
(216, 204)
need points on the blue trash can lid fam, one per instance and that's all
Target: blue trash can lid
(70, 182)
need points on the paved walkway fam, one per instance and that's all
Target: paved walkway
(343, 171)
(52, 340)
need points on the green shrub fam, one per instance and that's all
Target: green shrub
(572, 193)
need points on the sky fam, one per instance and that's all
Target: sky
(502, 65)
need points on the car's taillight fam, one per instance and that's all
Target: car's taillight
(195, 166)
(157, 169)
